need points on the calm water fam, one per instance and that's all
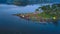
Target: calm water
(10, 24)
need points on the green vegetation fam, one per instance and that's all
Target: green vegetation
(50, 11)
(44, 15)
(20, 2)
(24, 2)
(49, 14)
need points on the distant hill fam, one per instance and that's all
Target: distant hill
(2, 1)
(22, 2)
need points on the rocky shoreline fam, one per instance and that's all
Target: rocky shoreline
(49, 14)
(34, 17)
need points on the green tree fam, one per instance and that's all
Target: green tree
(20, 2)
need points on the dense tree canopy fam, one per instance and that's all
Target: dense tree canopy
(53, 10)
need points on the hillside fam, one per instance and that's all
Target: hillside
(25, 2)
(49, 14)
